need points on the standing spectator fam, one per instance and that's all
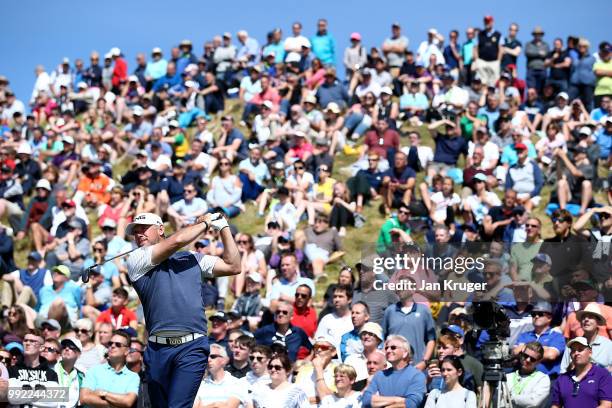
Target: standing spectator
(334, 325)
(452, 55)
(529, 388)
(560, 63)
(536, 52)
(93, 74)
(586, 385)
(120, 70)
(467, 55)
(487, 53)
(414, 322)
(350, 343)
(112, 383)
(355, 56)
(68, 375)
(603, 71)
(394, 49)
(582, 78)
(324, 44)
(511, 47)
(402, 384)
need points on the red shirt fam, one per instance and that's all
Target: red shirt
(123, 319)
(119, 72)
(306, 321)
(381, 144)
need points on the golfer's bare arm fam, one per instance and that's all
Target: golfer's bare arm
(229, 263)
(166, 247)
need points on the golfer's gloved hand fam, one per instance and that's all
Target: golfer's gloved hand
(219, 222)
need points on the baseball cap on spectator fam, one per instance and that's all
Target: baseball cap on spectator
(270, 53)
(62, 269)
(520, 146)
(24, 148)
(74, 223)
(130, 331)
(366, 72)
(185, 43)
(470, 225)
(563, 95)
(14, 346)
(69, 203)
(65, 60)
(108, 55)
(366, 262)
(310, 98)
(396, 24)
(506, 75)
(156, 50)
(453, 330)
(542, 258)
(4, 80)
(372, 328)
(578, 340)
(279, 166)
(255, 277)
(356, 36)
(68, 139)
(143, 219)
(321, 141)
(52, 323)
(109, 97)
(386, 90)
(299, 133)
(592, 309)
(480, 176)
(538, 30)
(173, 123)
(109, 223)
(488, 19)
(34, 255)
(584, 284)
(332, 107)
(504, 106)
(115, 52)
(43, 183)
(607, 120)
(518, 210)
(227, 34)
(72, 341)
(142, 153)
(132, 78)
(201, 243)
(137, 110)
(542, 307)
(293, 57)
(330, 72)
(585, 130)
(432, 31)
(82, 85)
(219, 315)
(267, 104)
(459, 311)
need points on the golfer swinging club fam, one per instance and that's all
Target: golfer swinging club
(169, 285)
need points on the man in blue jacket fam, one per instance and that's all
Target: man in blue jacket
(525, 177)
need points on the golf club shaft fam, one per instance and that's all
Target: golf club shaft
(86, 271)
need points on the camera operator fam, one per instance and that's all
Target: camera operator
(529, 388)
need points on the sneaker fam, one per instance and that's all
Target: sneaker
(359, 221)
(342, 232)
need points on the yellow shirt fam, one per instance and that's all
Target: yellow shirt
(604, 84)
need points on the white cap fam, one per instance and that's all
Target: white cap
(585, 130)
(191, 67)
(144, 219)
(310, 98)
(132, 78)
(268, 104)
(74, 341)
(563, 95)
(156, 50)
(386, 90)
(305, 42)
(293, 57)
(44, 183)
(108, 55)
(60, 122)
(82, 85)
(332, 106)
(578, 340)
(109, 223)
(68, 139)
(255, 277)
(190, 84)
(173, 123)
(24, 148)
(373, 328)
(109, 97)
(66, 60)
(432, 31)
(115, 52)
(137, 110)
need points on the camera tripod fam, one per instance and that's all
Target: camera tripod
(496, 393)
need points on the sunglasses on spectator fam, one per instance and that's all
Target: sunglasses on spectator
(532, 226)
(275, 367)
(282, 312)
(84, 331)
(538, 314)
(98, 249)
(6, 360)
(372, 159)
(224, 164)
(393, 348)
(214, 356)
(560, 219)
(322, 347)
(71, 347)
(242, 241)
(404, 212)
(259, 359)
(116, 344)
(302, 295)
(299, 167)
(133, 350)
(189, 190)
(51, 350)
(527, 357)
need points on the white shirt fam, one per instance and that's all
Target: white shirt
(160, 163)
(491, 153)
(440, 203)
(42, 84)
(333, 327)
(529, 392)
(451, 399)
(295, 43)
(425, 154)
(333, 401)
(229, 387)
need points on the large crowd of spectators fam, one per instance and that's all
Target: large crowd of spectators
(96, 143)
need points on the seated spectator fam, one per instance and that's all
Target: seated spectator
(11, 197)
(449, 146)
(300, 150)
(344, 379)
(552, 341)
(536, 389)
(112, 382)
(185, 211)
(335, 324)
(370, 338)
(231, 143)
(27, 283)
(281, 331)
(390, 230)
(92, 354)
(400, 384)
(586, 382)
(258, 373)
(453, 373)
(71, 250)
(398, 184)
(282, 210)
(249, 305)
(342, 212)
(601, 346)
(366, 184)
(98, 295)
(252, 261)
(321, 199)
(321, 245)
(316, 378)
(413, 103)
(444, 204)
(238, 367)
(109, 270)
(497, 289)
(62, 299)
(279, 390)
(225, 190)
(332, 90)
(35, 209)
(118, 315)
(478, 205)
(382, 141)
(94, 187)
(254, 174)
(499, 217)
(576, 182)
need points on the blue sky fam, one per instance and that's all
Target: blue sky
(41, 32)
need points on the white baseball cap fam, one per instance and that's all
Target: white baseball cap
(293, 57)
(44, 183)
(115, 52)
(24, 148)
(144, 219)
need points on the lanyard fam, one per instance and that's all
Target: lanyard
(116, 323)
(519, 386)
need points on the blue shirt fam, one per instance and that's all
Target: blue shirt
(109, 270)
(604, 141)
(510, 156)
(350, 343)
(417, 100)
(293, 339)
(549, 338)
(448, 149)
(104, 377)
(417, 326)
(324, 47)
(156, 69)
(70, 294)
(492, 117)
(408, 383)
(335, 92)
(243, 149)
(278, 50)
(250, 49)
